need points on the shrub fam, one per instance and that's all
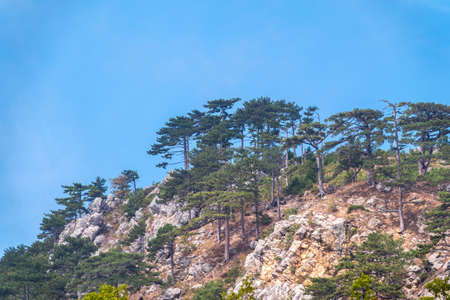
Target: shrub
(440, 288)
(265, 219)
(436, 176)
(245, 292)
(290, 212)
(108, 292)
(290, 235)
(135, 232)
(233, 274)
(380, 257)
(303, 177)
(136, 200)
(266, 232)
(212, 290)
(354, 207)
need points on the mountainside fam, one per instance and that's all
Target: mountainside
(273, 202)
(308, 242)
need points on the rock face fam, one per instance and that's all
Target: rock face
(91, 224)
(171, 293)
(293, 251)
(305, 245)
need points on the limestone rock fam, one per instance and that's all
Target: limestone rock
(171, 293)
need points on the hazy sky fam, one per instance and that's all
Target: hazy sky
(84, 85)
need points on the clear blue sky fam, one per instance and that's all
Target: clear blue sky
(84, 85)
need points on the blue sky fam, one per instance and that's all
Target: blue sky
(84, 85)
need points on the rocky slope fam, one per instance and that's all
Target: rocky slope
(303, 245)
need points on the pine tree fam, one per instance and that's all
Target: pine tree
(315, 134)
(120, 186)
(426, 125)
(75, 203)
(113, 268)
(379, 257)
(364, 126)
(164, 241)
(438, 219)
(97, 188)
(176, 134)
(394, 132)
(53, 224)
(131, 176)
(248, 168)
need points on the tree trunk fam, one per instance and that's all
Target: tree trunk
(422, 165)
(219, 230)
(172, 263)
(227, 238)
(400, 210)
(272, 190)
(134, 185)
(320, 174)
(399, 175)
(242, 219)
(256, 203)
(303, 154)
(294, 152)
(370, 177)
(278, 198)
(186, 152)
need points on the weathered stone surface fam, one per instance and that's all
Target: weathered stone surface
(85, 227)
(199, 268)
(171, 293)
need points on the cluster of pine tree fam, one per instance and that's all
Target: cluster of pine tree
(229, 153)
(51, 270)
(239, 158)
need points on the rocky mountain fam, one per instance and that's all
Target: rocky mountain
(312, 236)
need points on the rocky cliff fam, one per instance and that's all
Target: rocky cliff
(307, 243)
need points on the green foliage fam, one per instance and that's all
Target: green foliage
(437, 176)
(287, 242)
(290, 212)
(245, 292)
(267, 231)
(137, 231)
(136, 200)
(108, 292)
(53, 224)
(164, 240)
(361, 288)
(440, 288)
(233, 274)
(74, 204)
(265, 219)
(426, 126)
(380, 257)
(212, 290)
(438, 219)
(97, 188)
(362, 131)
(131, 177)
(23, 272)
(302, 176)
(113, 267)
(174, 135)
(354, 207)
(322, 288)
